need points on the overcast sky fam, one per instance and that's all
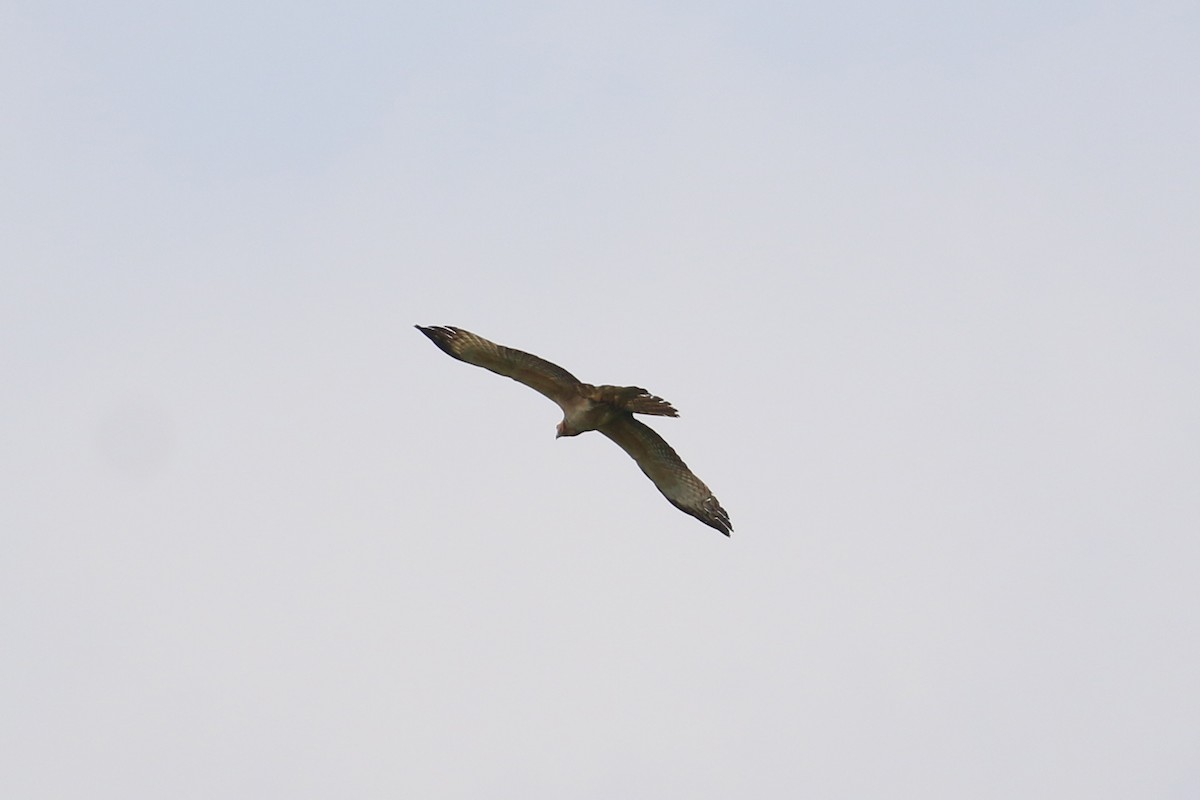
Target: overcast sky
(923, 280)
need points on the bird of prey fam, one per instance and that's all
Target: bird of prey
(608, 409)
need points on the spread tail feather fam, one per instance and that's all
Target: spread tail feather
(637, 400)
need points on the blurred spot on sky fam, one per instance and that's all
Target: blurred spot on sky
(134, 438)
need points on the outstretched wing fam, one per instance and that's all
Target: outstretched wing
(664, 466)
(538, 374)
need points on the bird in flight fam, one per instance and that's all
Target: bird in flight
(608, 409)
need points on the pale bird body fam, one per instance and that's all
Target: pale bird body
(607, 409)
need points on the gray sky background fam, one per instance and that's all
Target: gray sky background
(922, 279)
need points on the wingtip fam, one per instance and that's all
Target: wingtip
(718, 517)
(720, 525)
(441, 335)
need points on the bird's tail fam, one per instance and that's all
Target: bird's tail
(637, 400)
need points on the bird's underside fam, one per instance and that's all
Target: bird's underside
(607, 409)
